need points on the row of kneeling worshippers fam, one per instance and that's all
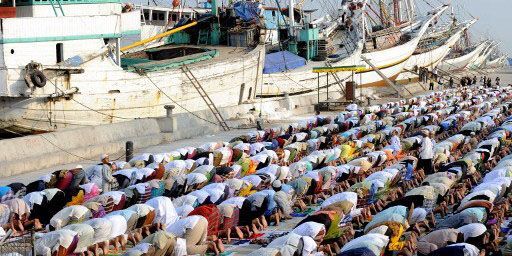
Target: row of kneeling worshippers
(424, 176)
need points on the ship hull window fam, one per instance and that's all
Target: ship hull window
(60, 52)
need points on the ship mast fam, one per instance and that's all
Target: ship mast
(396, 11)
(410, 10)
(384, 18)
(291, 16)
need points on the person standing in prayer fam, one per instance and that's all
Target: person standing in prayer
(395, 143)
(102, 175)
(426, 153)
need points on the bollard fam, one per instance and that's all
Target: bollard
(169, 109)
(259, 124)
(241, 97)
(287, 101)
(129, 151)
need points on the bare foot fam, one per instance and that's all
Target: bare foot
(220, 245)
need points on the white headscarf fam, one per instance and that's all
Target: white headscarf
(472, 230)
(34, 198)
(418, 214)
(308, 246)
(309, 228)
(164, 210)
(195, 178)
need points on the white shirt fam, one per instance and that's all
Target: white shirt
(238, 201)
(164, 210)
(180, 227)
(62, 218)
(102, 228)
(119, 225)
(426, 150)
(50, 242)
(395, 143)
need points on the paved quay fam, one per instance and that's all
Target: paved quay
(164, 147)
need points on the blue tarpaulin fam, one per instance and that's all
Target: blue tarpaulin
(273, 19)
(281, 61)
(247, 11)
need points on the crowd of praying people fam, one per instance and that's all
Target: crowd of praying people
(429, 175)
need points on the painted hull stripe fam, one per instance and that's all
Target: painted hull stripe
(67, 38)
(385, 66)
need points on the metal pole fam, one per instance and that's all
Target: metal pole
(318, 88)
(361, 85)
(118, 51)
(33, 240)
(129, 151)
(327, 86)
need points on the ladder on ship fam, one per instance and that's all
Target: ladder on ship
(336, 78)
(205, 97)
(56, 6)
(386, 79)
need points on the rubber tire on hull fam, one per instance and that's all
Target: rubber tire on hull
(38, 78)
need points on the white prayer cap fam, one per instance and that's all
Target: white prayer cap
(276, 184)
(103, 156)
(79, 167)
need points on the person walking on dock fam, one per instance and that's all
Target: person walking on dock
(450, 82)
(498, 81)
(431, 85)
(474, 80)
(434, 74)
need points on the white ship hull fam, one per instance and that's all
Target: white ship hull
(461, 62)
(497, 63)
(392, 61)
(480, 60)
(430, 59)
(109, 94)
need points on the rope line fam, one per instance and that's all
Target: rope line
(75, 155)
(182, 107)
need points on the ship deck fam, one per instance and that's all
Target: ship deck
(175, 56)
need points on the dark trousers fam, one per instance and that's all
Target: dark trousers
(426, 165)
(431, 86)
